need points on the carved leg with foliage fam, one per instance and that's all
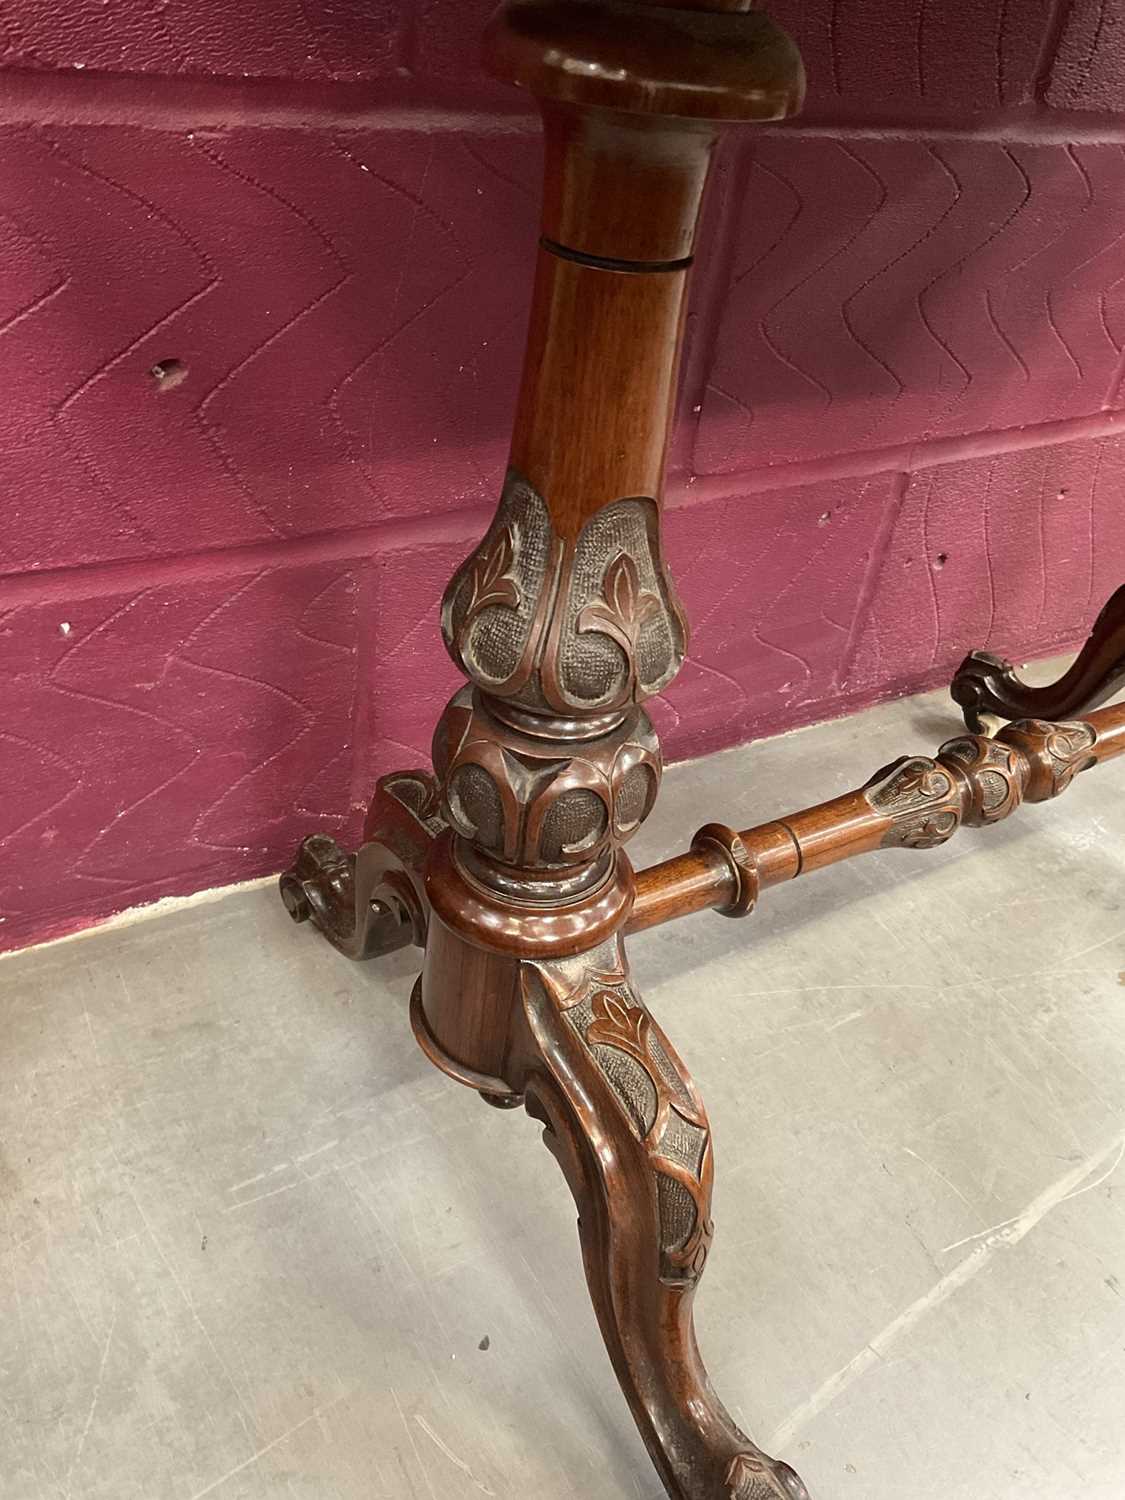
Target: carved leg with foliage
(987, 684)
(630, 1133)
(627, 1125)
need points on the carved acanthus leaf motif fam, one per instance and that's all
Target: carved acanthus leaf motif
(560, 626)
(625, 608)
(672, 1125)
(491, 581)
(617, 1024)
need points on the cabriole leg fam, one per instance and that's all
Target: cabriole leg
(627, 1125)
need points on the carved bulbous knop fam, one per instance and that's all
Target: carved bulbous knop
(537, 804)
(922, 799)
(1056, 753)
(566, 627)
(976, 780)
(994, 776)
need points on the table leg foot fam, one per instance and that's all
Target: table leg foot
(985, 684)
(373, 901)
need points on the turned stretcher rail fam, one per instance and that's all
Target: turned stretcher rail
(917, 802)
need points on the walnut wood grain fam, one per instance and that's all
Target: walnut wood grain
(564, 620)
(725, 869)
(625, 1121)
(915, 803)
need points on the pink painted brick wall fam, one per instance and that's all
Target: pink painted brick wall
(898, 434)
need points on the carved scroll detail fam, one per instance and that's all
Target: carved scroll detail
(371, 902)
(988, 684)
(417, 793)
(921, 797)
(566, 627)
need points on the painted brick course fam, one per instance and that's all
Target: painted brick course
(218, 591)
(167, 736)
(899, 291)
(309, 289)
(1087, 72)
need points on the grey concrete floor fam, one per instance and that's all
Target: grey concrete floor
(256, 1247)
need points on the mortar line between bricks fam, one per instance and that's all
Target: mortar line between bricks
(93, 580)
(168, 103)
(98, 579)
(906, 457)
(1034, 124)
(161, 102)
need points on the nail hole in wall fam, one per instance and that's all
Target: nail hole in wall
(940, 561)
(169, 373)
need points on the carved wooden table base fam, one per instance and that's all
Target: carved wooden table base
(507, 865)
(620, 1110)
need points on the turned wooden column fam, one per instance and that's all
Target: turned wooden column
(564, 620)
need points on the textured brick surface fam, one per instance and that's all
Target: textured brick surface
(773, 633)
(896, 291)
(1089, 70)
(1016, 553)
(972, 55)
(346, 39)
(169, 736)
(218, 592)
(310, 289)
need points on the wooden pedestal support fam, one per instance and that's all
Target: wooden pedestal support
(507, 865)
